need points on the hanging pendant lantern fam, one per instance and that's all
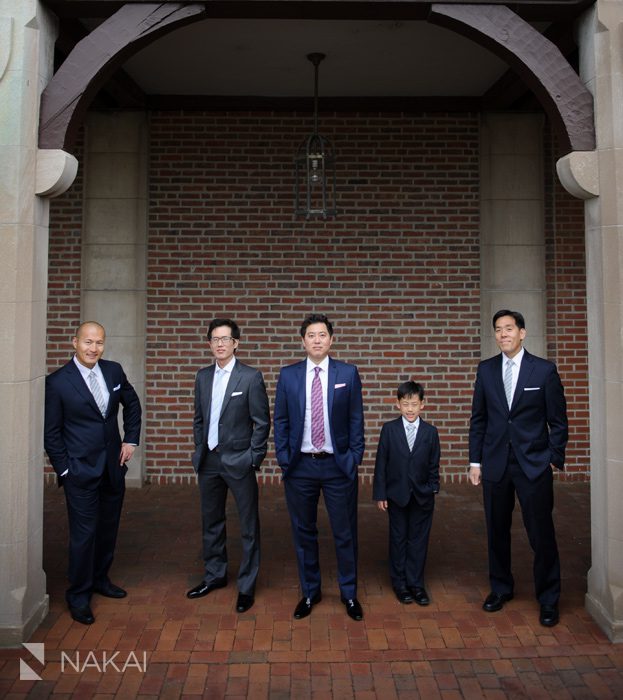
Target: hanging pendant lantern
(315, 166)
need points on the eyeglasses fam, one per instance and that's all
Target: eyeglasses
(223, 340)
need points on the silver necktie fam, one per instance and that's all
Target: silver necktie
(411, 435)
(97, 392)
(508, 382)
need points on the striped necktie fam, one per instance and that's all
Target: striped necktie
(317, 416)
(411, 435)
(508, 381)
(96, 390)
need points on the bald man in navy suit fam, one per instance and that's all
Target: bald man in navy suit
(83, 442)
(518, 435)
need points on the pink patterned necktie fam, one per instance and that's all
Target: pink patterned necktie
(317, 419)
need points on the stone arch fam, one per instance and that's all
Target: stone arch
(537, 60)
(93, 60)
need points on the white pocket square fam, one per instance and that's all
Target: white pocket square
(116, 388)
(236, 393)
(532, 388)
(339, 386)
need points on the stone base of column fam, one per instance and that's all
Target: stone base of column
(613, 629)
(13, 636)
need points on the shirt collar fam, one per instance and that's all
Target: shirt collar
(324, 365)
(415, 424)
(228, 367)
(517, 359)
(85, 371)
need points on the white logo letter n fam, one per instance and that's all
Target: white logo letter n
(25, 672)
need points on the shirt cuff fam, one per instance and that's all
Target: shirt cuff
(65, 472)
(475, 464)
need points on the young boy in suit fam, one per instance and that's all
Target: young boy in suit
(406, 479)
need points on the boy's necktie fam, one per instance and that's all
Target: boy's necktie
(411, 435)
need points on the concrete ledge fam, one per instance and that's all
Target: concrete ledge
(613, 629)
(14, 636)
(579, 174)
(56, 171)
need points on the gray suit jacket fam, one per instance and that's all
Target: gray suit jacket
(244, 423)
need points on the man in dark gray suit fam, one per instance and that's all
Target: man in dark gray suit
(231, 426)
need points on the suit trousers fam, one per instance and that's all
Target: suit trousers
(93, 515)
(536, 499)
(302, 490)
(214, 482)
(409, 532)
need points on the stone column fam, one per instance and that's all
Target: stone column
(114, 246)
(512, 233)
(27, 35)
(601, 52)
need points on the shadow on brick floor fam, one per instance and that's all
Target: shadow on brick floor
(172, 647)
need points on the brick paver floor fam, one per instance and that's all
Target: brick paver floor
(158, 644)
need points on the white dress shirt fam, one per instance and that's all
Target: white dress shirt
(306, 445)
(516, 365)
(415, 424)
(516, 360)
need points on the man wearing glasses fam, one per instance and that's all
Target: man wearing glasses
(231, 426)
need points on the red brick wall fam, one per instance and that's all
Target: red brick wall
(398, 271)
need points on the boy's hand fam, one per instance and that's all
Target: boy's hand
(381, 505)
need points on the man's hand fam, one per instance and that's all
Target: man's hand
(126, 452)
(381, 505)
(474, 475)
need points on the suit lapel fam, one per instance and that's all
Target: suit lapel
(233, 382)
(75, 378)
(401, 437)
(498, 381)
(110, 382)
(302, 385)
(525, 370)
(331, 382)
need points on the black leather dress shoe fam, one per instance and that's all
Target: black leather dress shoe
(109, 590)
(82, 615)
(420, 596)
(549, 615)
(495, 601)
(204, 588)
(244, 602)
(404, 596)
(305, 606)
(353, 609)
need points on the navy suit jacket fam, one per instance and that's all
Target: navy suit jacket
(345, 407)
(76, 435)
(535, 425)
(400, 472)
(244, 422)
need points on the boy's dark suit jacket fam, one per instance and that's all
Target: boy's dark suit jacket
(535, 424)
(244, 422)
(398, 472)
(76, 435)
